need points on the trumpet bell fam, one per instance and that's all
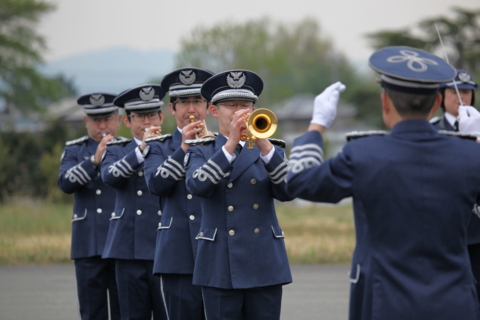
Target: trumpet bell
(262, 123)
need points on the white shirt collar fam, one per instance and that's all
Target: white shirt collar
(139, 142)
(450, 118)
(241, 142)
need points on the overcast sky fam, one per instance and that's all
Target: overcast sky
(79, 26)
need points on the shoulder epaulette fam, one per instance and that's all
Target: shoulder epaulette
(76, 141)
(163, 137)
(118, 142)
(458, 134)
(360, 134)
(435, 120)
(120, 138)
(278, 142)
(200, 141)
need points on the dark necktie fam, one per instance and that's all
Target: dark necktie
(239, 148)
(455, 125)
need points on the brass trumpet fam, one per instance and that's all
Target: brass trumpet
(156, 132)
(261, 124)
(204, 131)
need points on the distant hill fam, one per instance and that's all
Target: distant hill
(112, 70)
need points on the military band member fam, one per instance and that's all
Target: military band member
(176, 245)
(450, 105)
(413, 190)
(80, 174)
(133, 223)
(241, 260)
(450, 101)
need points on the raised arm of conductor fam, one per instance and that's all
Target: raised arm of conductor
(325, 107)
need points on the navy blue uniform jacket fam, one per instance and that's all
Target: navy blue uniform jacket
(165, 175)
(133, 223)
(240, 243)
(474, 226)
(94, 201)
(413, 193)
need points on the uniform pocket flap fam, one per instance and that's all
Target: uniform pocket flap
(278, 232)
(165, 226)
(76, 217)
(207, 234)
(117, 216)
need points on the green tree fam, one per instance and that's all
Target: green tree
(290, 59)
(49, 164)
(21, 50)
(460, 35)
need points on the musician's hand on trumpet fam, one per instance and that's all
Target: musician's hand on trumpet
(151, 132)
(192, 131)
(102, 146)
(238, 127)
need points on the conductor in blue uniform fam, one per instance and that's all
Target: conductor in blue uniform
(241, 260)
(176, 245)
(133, 222)
(413, 192)
(451, 102)
(80, 174)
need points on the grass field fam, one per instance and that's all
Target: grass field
(39, 233)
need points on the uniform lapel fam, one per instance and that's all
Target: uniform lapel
(244, 160)
(447, 125)
(92, 146)
(176, 140)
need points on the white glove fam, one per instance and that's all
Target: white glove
(325, 105)
(469, 120)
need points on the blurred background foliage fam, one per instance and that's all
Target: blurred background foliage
(291, 58)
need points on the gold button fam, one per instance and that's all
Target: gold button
(189, 196)
(159, 212)
(253, 181)
(231, 232)
(230, 185)
(99, 191)
(139, 192)
(256, 230)
(255, 206)
(230, 208)
(113, 214)
(99, 210)
(140, 173)
(201, 234)
(75, 216)
(139, 212)
(192, 217)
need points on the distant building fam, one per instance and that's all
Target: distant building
(67, 109)
(294, 117)
(12, 118)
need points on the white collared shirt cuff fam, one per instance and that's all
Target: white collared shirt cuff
(138, 153)
(229, 157)
(269, 156)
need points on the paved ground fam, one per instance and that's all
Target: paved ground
(49, 293)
